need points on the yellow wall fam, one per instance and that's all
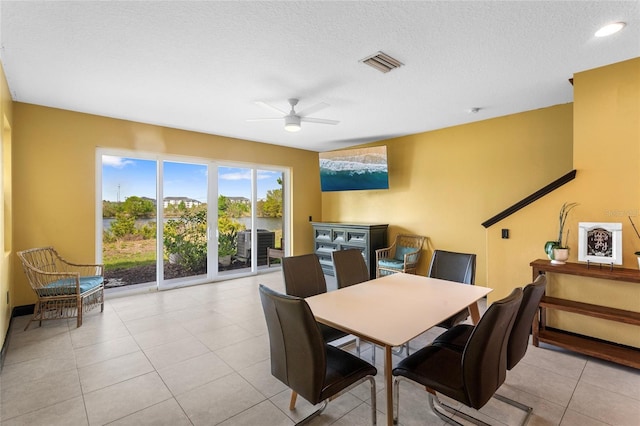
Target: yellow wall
(607, 186)
(54, 176)
(6, 271)
(444, 184)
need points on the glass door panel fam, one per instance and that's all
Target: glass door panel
(185, 236)
(269, 212)
(234, 219)
(186, 248)
(128, 220)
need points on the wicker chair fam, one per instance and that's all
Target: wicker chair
(63, 289)
(402, 256)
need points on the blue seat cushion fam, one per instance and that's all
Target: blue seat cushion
(401, 251)
(68, 285)
(391, 263)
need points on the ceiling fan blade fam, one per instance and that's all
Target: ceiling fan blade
(266, 105)
(312, 109)
(265, 119)
(318, 120)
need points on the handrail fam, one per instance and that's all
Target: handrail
(530, 199)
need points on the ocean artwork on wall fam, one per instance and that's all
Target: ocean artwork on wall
(354, 169)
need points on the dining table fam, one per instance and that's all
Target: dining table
(392, 310)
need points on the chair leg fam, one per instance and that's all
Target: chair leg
(373, 400)
(36, 308)
(292, 403)
(404, 347)
(314, 414)
(396, 399)
(437, 412)
(319, 411)
(434, 398)
(80, 309)
(528, 410)
(435, 404)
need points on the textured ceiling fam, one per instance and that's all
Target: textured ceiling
(201, 66)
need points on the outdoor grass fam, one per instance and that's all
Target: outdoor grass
(131, 253)
(127, 254)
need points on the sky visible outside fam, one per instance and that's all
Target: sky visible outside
(124, 177)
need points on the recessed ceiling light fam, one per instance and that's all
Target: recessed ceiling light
(610, 29)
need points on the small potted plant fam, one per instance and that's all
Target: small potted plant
(557, 250)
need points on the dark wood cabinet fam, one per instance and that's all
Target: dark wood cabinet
(331, 236)
(609, 351)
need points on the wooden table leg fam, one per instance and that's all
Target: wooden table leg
(388, 383)
(475, 313)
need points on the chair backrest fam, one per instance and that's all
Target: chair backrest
(452, 266)
(38, 260)
(298, 354)
(350, 267)
(303, 276)
(406, 243)
(519, 340)
(43, 258)
(484, 360)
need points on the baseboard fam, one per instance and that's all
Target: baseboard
(17, 311)
(5, 345)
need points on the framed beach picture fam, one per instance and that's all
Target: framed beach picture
(600, 242)
(354, 169)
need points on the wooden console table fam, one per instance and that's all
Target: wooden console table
(587, 345)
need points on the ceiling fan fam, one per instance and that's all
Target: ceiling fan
(292, 119)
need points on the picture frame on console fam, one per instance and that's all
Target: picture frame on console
(600, 242)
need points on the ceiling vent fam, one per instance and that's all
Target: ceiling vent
(382, 62)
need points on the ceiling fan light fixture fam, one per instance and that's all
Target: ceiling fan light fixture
(610, 29)
(292, 123)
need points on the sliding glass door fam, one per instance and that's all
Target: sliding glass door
(128, 220)
(270, 210)
(180, 240)
(185, 239)
(235, 209)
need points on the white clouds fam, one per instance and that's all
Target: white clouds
(245, 174)
(239, 175)
(116, 162)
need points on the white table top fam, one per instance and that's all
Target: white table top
(393, 309)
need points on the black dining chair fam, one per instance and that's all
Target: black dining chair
(303, 277)
(470, 376)
(350, 269)
(456, 337)
(302, 360)
(452, 266)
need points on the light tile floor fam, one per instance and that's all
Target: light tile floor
(200, 356)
